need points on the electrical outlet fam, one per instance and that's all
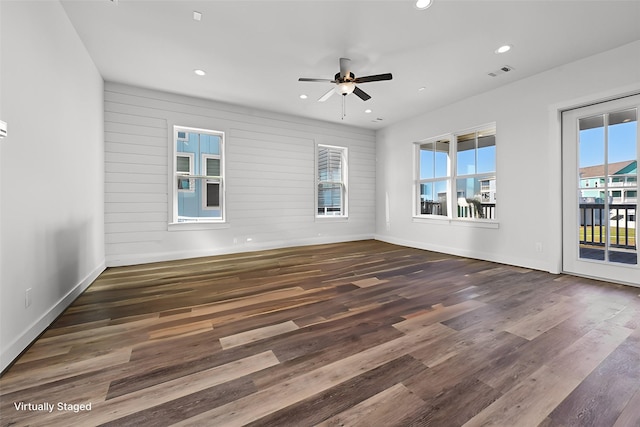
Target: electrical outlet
(27, 298)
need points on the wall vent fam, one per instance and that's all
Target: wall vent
(501, 70)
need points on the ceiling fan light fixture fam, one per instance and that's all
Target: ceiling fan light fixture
(345, 88)
(423, 4)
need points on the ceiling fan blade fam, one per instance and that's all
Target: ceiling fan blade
(345, 67)
(361, 94)
(304, 79)
(376, 78)
(326, 95)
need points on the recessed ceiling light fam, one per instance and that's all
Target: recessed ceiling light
(503, 49)
(368, 111)
(303, 96)
(197, 16)
(199, 72)
(423, 4)
(420, 89)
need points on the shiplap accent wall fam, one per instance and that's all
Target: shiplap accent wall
(270, 178)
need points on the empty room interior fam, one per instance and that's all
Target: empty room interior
(299, 213)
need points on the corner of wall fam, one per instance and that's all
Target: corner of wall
(21, 344)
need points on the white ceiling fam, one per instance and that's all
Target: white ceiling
(254, 51)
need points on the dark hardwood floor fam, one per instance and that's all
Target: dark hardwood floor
(362, 333)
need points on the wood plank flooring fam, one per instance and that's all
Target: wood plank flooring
(357, 334)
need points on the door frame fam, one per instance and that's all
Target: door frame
(554, 160)
(603, 271)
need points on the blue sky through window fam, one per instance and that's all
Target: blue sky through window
(623, 139)
(434, 164)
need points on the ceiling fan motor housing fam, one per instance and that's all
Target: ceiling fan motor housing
(351, 77)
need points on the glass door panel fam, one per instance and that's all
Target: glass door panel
(600, 187)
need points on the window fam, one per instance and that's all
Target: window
(198, 175)
(464, 163)
(332, 181)
(434, 172)
(476, 174)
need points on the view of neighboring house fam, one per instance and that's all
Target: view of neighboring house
(622, 183)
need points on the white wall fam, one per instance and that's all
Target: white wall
(52, 170)
(270, 177)
(528, 161)
(1, 200)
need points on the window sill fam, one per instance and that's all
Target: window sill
(336, 218)
(190, 226)
(432, 219)
(476, 223)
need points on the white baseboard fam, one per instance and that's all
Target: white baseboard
(21, 343)
(485, 256)
(134, 259)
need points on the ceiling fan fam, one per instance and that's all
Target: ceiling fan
(346, 81)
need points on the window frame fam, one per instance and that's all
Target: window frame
(452, 178)
(199, 222)
(420, 181)
(344, 182)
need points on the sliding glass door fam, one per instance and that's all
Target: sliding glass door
(600, 190)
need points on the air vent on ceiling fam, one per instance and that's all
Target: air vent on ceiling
(501, 70)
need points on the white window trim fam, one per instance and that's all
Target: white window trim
(460, 222)
(452, 205)
(418, 182)
(476, 175)
(344, 156)
(200, 223)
